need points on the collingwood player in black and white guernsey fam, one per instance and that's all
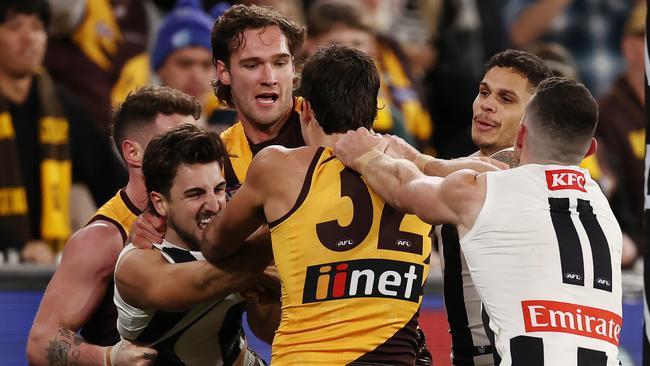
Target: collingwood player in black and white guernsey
(509, 82)
(541, 242)
(171, 299)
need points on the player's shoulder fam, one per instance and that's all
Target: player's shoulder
(467, 177)
(93, 248)
(97, 236)
(271, 154)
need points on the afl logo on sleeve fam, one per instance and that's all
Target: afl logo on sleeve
(565, 179)
(363, 278)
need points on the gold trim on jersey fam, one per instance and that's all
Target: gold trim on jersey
(119, 211)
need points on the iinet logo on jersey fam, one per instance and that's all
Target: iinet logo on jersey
(565, 179)
(363, 278)
(555, 316)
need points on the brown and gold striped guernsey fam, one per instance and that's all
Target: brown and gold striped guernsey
(101, 328)
(352, 271)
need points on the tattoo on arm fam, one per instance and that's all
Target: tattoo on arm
(508, 157)
(58, 351)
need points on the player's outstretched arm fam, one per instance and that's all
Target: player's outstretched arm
(399, 149)
(72, 296)
(146, 280)
(402, 185)
(226, 234)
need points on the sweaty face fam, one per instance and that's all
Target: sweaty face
(261, 76)
(502, 97)
(197, 194)
(189, 69)
(22, 41)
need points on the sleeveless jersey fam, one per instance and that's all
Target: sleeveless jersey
(352, 272)
(208, 334)
(241, 150)
(100, 328)
(470, 345)
(545, 256)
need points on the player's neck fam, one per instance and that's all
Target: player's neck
(325, 140)
(136, 190)
(258, 133)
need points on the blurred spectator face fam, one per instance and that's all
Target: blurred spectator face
(502, 97)
(22, 41)
(260, 75)
(356, 38)
(633, 47)
(189, 70)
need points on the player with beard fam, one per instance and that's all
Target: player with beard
(170, 298)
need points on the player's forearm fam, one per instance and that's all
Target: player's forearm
(389, 178)
(62, 346)
(197, 282)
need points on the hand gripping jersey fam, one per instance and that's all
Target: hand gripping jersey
(352, 271)
(208, 334)
(100, 328)
(545, 256)
(470, 345)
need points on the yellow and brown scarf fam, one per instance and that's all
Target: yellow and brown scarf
(55, 173)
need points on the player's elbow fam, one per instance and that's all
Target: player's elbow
(37, 345)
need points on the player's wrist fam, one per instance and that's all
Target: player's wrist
(421, 161)
(107, 356)
(363, 160)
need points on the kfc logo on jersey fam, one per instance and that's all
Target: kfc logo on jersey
(555, 316)
(565, 179)
(363, 278)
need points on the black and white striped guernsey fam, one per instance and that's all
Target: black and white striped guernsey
(208, 334)
(470, 346)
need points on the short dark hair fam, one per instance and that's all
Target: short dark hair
(326, 15)
(141, 107)
(228, 35)
(341, 84)
(41, 8)
(565, 111)
(185, 144)
(526, 64)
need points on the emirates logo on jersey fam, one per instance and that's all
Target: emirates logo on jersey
(565, 179)
(563, 317)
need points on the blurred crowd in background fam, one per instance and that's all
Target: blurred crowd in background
(65, 72)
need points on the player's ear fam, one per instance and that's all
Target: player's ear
(521, 136)
(133, 153)
(222, 73)
(592, 148)
(159, 203)
(306, 113)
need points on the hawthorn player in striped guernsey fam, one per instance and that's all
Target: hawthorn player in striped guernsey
(541, 242)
